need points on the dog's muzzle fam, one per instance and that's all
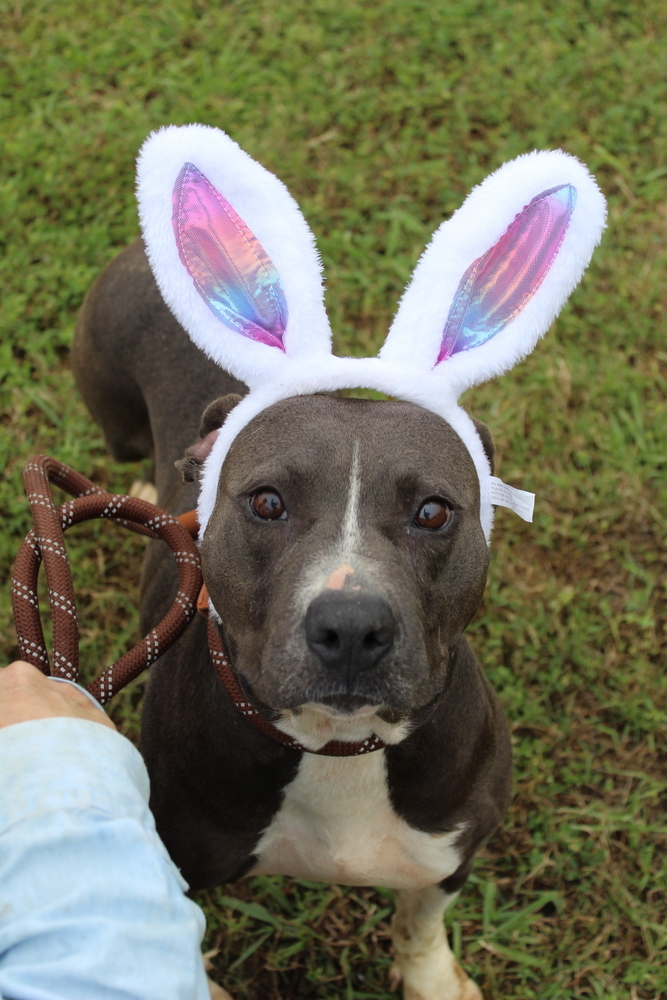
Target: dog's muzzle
(349, 633)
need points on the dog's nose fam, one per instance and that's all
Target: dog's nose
(349, 633)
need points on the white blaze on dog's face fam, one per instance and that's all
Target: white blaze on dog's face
(350, 533)
(345, 565)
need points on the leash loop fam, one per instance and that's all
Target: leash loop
(46, 543)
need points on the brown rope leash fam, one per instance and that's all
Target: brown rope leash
(46, 543)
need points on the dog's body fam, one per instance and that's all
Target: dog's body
(344, 542)
(348, 559)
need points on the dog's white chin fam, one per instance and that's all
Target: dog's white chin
(315, 725)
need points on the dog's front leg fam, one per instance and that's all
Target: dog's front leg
(424, 961)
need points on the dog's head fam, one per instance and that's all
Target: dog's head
(345, 542)
(345, 552)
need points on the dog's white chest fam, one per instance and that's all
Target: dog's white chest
(336, 824)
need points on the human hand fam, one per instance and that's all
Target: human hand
(26, 694)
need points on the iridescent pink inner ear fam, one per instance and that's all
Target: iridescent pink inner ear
(229, 267)
(497, 286)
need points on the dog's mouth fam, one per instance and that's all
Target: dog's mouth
(348, 704)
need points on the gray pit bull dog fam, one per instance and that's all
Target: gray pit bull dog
(345, 552)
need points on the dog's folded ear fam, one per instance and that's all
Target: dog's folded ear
(214, 416)
(487, 441)
(217, 412)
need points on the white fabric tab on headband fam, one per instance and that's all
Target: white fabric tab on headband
(520, 501)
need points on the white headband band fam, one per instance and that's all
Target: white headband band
(237, 265)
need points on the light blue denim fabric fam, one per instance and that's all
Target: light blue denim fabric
(91, 906)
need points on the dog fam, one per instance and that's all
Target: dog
(345, 552)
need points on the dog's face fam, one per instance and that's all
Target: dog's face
(345, 554)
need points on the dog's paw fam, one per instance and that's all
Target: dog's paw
(143, 491)
(217, 992)
(429, 981)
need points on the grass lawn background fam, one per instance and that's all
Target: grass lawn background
(380, 117)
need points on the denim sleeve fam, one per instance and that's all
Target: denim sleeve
(91, 906)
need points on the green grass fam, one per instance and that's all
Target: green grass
(380, 116)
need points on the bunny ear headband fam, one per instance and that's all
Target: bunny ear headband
(237, 265)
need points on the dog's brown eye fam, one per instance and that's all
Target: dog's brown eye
(268, 504)
(433, 513)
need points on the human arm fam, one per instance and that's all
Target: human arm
(91, 906)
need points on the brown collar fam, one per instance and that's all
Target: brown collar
(334, 748)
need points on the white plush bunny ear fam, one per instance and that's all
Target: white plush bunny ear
(496, 274)
(232, 254)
